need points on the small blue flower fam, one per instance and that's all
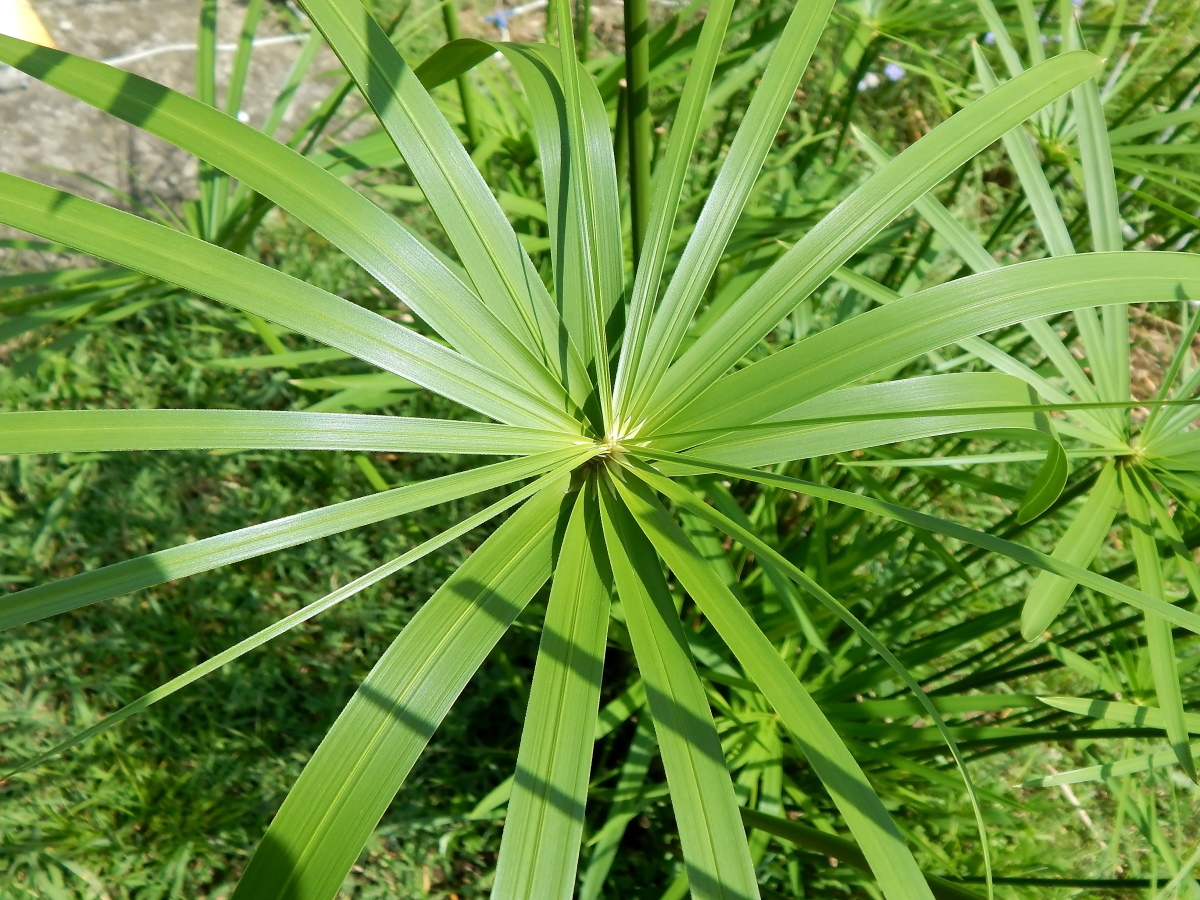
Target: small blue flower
(499, 18)
(989, 39)
(893, 71)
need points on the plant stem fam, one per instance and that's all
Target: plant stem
(583, 28)
(206, 92)
(637, 78)
(621, 136)
(450, 18)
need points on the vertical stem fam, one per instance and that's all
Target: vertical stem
(206, 54)
(241, 61)
(621, 138)
(637, 78)
(206, 92)
(583, 28)
(450, 18)
(223, 189)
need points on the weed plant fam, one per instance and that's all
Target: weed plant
(696, 349)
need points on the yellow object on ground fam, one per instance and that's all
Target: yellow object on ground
(17, 19)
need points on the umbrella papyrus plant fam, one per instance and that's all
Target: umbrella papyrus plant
(1143, 464)
(596, 406)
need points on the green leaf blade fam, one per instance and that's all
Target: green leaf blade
(347, 785)
(233, 279)
(539, 849)
(377, 241)
(464, 205)
(728, 196)
(98, 430)
(1047, 486)
(1078, 547)
(716, 855)
(891, 861)
(206, 554)
(884, 196)
(933, 318)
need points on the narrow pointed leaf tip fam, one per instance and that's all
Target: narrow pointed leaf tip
(1048, 486)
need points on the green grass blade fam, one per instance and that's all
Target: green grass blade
(1155, 124)
(715, 852)
(590, 270)
(891, 861)
(1105, 771)
(977, 257)
(834, 847)
(288, 622)
(246, 543)
(539, 850)
(212, 271)
(466, 96)
(1152, 427)
(769, 556)
(1110, 362)
(371, 237)
(234, 91)
(296, 358)
(1125, 713)
(579, 177)
(1017, 552)
(1101, 675)
(782, 441)
(242, 56)
(1078, 547)
(317, 118)
(639, 120)
(943, 703)
(1050, 220)
(1033, 34)
(72, 282)
(973, 253)
(1095, 156)
(1170, 432)
(859, 218)
(1012, 59)
(1184, 557)
(667, 189)
(474, 222)
(1030, 174)
(869, 415)
(90, 430)
(968, 247)
(454, 58)
(626, 803)
(1160, 645)
(932, 318)
(727, 198)
(340, 796)
(582, 203)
